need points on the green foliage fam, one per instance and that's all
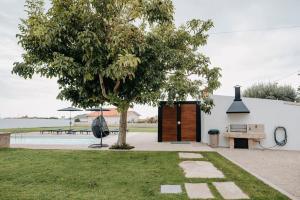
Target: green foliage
(116, 51)
(272, 91)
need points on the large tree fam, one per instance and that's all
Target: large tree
(116, 51)
(272, 91)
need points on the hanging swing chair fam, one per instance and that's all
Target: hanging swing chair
(99, 127)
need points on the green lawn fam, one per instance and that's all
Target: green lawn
(58, 174)
(28, 130)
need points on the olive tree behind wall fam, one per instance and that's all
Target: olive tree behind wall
(272, 91)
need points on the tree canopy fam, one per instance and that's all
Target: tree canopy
(116, 51)
(272, 91)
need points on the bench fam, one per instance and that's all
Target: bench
(51, 131)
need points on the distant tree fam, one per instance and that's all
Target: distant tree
(272, 91)
(152, 120)
(298, 94)
(119, 52)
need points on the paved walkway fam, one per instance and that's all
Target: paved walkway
(280, 169)
(141, 141)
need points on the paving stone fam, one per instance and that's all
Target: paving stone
(200, 169)
(170, 189)
(198, 191)
(189, 155)
(229, 190)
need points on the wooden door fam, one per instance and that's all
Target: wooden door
(181, 122)
(188, 123)
(169, 123)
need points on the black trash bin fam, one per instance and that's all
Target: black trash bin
(214, 137)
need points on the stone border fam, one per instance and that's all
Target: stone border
(5, 140)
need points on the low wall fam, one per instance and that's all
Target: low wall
(271, 113)
(4, 140)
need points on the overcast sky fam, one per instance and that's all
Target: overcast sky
(252, 41)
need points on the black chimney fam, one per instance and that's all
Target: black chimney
(237, 106)
(237, 93)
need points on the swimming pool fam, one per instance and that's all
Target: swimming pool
(54, 139)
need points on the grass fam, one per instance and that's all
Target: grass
(59, 174)
(29, 130)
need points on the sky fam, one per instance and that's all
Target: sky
(252, 42)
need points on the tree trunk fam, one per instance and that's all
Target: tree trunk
(122, 128)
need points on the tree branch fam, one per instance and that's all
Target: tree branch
(186, 74)
(102, 87)
(117, 86)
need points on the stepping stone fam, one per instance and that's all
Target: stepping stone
(190, 155)
(170, 189)
(198, 191)
(200, 169)
(229, 190)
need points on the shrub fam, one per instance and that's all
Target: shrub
(272, 91)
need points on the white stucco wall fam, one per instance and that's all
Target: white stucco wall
(271, 113)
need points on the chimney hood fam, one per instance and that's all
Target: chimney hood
(237, 106)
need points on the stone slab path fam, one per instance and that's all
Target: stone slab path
(203, 169)
(190, 155)
(200, 169)
(198, 191)
(170, 189)
(229, 190)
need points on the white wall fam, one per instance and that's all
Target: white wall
(109, 120)
(271, 113)
(131, 117)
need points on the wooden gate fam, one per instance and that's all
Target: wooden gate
(169, 123)
(179, 122)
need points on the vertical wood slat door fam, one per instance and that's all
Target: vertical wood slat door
(169, 123)
(188, 114)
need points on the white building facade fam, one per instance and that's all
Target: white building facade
(270, 113)
(111, 117)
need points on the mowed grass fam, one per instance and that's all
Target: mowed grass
(58, 174)
(45, 174)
